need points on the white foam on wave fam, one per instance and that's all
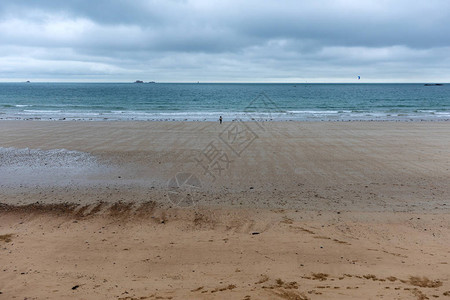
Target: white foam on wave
(42, 111)
(319, 112)
(291, 115)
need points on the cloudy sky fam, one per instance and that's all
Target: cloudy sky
(225, 41)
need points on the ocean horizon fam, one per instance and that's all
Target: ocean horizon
(232, 101)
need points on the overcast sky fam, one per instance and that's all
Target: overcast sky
(225, 41)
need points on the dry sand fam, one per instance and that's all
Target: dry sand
(356, 210)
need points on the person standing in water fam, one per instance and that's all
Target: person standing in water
(220, 119)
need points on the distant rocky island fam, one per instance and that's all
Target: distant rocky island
(433, 84)
(140, 81)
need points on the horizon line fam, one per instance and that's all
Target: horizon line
(224, 82)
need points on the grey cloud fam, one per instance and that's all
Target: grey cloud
(223, 40)
(346, 23)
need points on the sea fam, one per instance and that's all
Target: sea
(208, 101)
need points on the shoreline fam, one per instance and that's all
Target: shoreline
(235, 120)
(406, 120)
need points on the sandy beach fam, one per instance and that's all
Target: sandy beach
(198, 210)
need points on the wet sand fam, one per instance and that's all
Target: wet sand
(286, 210)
